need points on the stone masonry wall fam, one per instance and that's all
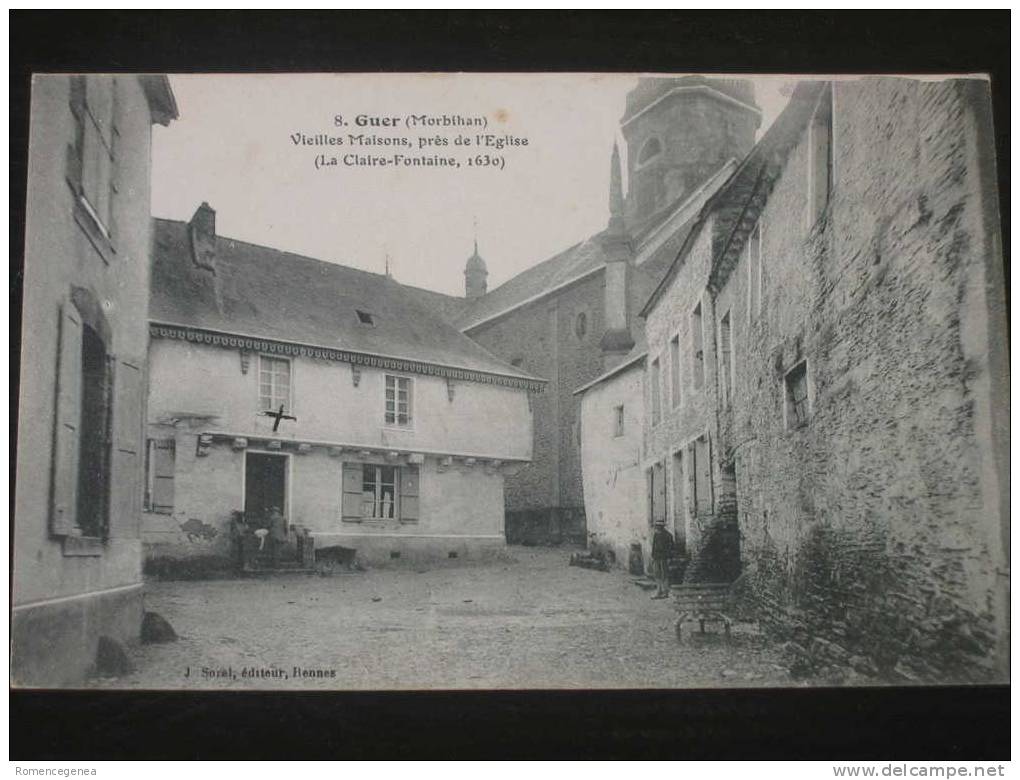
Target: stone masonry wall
(872, 536)
(548, 493)
(710, 533)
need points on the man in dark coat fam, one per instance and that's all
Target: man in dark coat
(662, 549)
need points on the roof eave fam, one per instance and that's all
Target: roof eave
(159, 94)
(614, 372)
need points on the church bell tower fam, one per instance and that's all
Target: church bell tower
(679, 132)
(476, 275)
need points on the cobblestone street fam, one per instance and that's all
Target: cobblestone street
(526, 621)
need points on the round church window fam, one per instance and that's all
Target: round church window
(581, 325)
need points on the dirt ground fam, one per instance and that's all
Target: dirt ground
(526, 621)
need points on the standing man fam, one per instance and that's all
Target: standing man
(662, 549)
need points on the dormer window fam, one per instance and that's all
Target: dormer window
(365, 318)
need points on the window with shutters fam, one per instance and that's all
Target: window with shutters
(699, 476)
(399, 401)
(81, 464)
(274, 384)
(92, 153)
(159, 476)
(377, 492)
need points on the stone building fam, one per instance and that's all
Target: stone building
(399, 432)
(573, 317)
(77, 554)
(867, 427)
(829, 344)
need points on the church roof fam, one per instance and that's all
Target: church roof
(270, 294)
(535, 282)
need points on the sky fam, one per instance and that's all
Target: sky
(232, 147)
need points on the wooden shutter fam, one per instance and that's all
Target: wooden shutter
(162, 461)
(350, 508)
(127, 453)
(409, 485)
(691, 474)
(105, 485)
(67, 431)
(97, 152)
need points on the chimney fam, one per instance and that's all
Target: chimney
(616, 340)
(202, 232)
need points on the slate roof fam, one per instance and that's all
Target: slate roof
(536, 281)
(267, 293)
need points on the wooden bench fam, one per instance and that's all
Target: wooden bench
(706, 602)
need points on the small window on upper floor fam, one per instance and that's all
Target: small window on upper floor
(274, 384)
(798, 396)
(365, 318)
(652, 148)
(399, 401)
(517, 362)
(697, 348)
(754, 273)
(674, 369)
(618, 421)
(656, 389)
(821, 157)
(581, 325)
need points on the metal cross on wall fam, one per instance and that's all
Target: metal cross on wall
(279, 416)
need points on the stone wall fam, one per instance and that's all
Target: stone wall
(708, 528)
(873, 535)
(545, 499)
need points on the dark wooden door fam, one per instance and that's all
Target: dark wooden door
(265, 485)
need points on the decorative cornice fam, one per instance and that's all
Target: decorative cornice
(291, 349)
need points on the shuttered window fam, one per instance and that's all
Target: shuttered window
(92, 170)
(699, 476)
(68, 423)
(128, 452)
(83, 428)
(377, 492)
(159, 476)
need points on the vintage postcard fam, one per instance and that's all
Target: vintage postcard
(495, 381)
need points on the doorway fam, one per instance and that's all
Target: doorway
(265, 485)
(679, 503)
